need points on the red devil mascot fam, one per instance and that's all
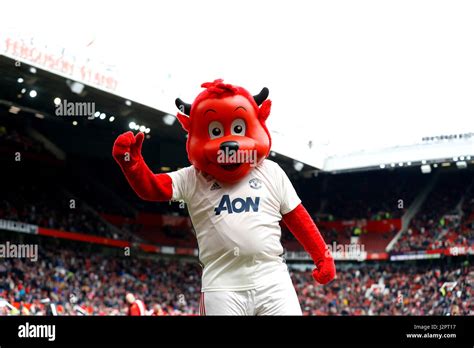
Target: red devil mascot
(236, 199)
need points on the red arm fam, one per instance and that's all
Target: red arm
(301, 225)
(148, 186)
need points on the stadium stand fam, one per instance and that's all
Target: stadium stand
(98, 282)
(443, 220)
(351, 208)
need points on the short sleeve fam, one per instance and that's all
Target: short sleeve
(289, 199)
(182, 181)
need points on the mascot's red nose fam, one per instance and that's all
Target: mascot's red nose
(229, 146)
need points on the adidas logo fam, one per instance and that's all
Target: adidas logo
(215, 186)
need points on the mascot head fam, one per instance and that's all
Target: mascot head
(227, 135)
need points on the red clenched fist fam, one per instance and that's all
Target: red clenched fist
(128, 148)
(325, 271)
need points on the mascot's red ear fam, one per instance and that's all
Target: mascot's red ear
(264, 110)
(184, 120)
(264, 104)
(185, 109)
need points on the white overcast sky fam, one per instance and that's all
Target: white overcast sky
(355, 74)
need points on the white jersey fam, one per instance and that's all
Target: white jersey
(237, 225)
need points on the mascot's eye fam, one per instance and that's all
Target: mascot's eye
(216, 130)
(238, 127)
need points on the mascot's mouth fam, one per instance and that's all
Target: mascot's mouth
(230, 167)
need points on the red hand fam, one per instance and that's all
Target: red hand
(148, 186)
(127, 149)
(299, 222)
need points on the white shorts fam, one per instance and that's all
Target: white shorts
(270, 298)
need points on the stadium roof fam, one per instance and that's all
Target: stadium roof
(350, 90)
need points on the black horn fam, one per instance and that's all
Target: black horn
(259, 98)
(185, 108)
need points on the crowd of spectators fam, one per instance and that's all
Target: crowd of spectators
(51, 210)
(31, 197)
(438, 225)
(13, 138)
(445, 233)
(445, 219)
(388, 289)
(372, 195)
(98, 284)
(35, 193)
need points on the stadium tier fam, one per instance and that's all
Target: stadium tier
(89, 195)
(402, 240)
(78, 196)
(98, 280)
